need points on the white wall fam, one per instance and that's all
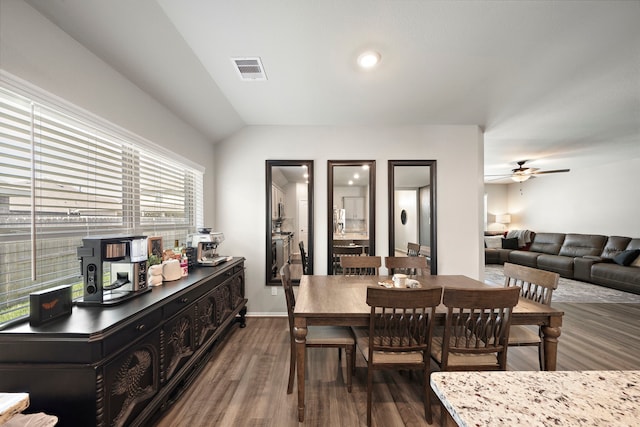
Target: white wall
(600, 200)
(497, 204)
(240, 202)
(404, 233)
(34, 49)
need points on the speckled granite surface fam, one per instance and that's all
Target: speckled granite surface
(532, 398)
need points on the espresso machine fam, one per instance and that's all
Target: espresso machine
(205, 244)
(114, 269)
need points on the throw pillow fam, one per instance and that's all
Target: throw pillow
(626, 257)
(636, 263)
(493, 242)
(511, 243)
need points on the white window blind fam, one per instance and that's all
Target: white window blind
(62, 179)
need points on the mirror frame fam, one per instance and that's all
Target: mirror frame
(372, 205)
(391, 193)
(269, 165)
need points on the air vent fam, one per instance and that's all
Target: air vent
(249, 68)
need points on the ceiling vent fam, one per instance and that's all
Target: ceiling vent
(249, 68)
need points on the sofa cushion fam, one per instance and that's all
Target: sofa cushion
(562, 265)
(496, 256)
(616, 276)
(614, 245)
(547, 243)
(577, 245)
(633, 244)
(511, 243)
(626, 257)
(524, 258)
(493, 242)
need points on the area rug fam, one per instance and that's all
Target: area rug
(570, 290)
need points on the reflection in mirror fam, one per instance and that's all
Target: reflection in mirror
(412, 209)
(289, 215)
(351, 216)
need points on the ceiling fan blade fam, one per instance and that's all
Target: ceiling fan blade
(552, 171)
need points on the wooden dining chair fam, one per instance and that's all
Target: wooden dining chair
(399, 335)
(413, 249)
(344, 250)
(317, 336)
(425, 251)
(360, 265)
(410, 265)
(303, 258)
(476, 332)
(538, 286)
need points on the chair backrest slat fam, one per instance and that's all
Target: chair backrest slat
(303, 258)
(401, 320)
(478, 321)
(413, 249)
(412, 265)
(360, 265)
(535, 284)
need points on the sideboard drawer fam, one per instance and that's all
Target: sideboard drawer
(130, 333)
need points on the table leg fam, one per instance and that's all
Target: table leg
(300, 333)
(550, 336)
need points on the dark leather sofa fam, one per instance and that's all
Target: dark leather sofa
(586, 257)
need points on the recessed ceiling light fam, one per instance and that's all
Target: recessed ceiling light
(368, 59)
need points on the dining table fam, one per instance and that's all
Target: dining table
(340, 300)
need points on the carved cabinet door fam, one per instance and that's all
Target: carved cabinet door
(130, 381)
(178, 341)
(236, 288)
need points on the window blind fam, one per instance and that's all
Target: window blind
(62, 179)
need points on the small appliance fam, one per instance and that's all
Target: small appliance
(206, 244)
(114, 269)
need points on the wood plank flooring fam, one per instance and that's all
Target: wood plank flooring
(245, 383)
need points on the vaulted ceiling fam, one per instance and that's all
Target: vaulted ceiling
(554, 82)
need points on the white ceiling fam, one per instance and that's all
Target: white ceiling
(555, 82)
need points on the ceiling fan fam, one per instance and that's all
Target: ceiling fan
(521, 173)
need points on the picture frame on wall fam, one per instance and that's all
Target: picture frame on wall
(155, 246)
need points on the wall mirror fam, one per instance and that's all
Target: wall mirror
(289, 215)
(412, 209)
(351, 210)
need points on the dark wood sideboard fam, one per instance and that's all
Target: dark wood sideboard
(121, 365)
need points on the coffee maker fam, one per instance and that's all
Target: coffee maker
(114, 269)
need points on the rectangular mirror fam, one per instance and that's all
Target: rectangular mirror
(412, 209)
(351, 216)
(289, 218)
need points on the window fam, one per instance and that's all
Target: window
(62, 178)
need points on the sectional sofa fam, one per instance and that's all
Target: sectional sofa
(611, 261)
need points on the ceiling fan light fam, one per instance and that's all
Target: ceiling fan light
(520, 177)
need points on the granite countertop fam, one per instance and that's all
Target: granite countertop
(532, 398)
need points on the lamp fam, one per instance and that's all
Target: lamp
(503, 219)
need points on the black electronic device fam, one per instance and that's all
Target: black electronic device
(49, 304)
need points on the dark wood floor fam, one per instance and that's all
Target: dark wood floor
(245, 382)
